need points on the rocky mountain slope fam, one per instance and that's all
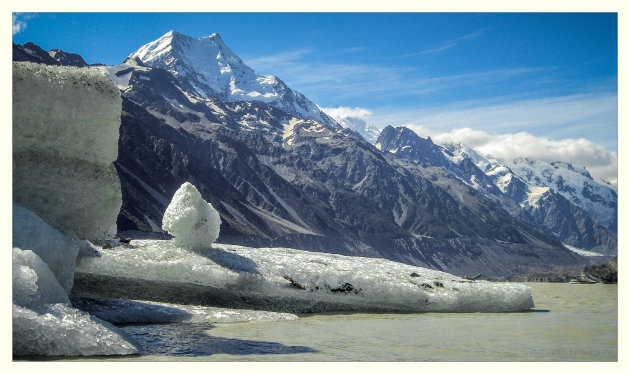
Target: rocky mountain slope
(33, 53)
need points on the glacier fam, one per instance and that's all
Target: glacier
(285, 280)
(65, 139)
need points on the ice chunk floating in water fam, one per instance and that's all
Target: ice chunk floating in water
(44, 324)
(287, 280)
(190, 219)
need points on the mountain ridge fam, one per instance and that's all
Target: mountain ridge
(207, 67)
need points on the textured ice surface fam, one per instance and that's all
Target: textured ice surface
(65, 138)
(192, 221)
(44, 324)
(34, 285)
(64, 331)
(56, 249)
(134, 311)
(288, 280)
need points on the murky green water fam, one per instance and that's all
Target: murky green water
(570, 323)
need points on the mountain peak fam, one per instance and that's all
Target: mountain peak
(207, 67)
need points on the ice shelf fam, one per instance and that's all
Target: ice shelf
(286, 280)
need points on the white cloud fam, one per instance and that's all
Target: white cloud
(449, 44)
(19, 22)
(574, 116)
(601, 162)
(18, 26)
(327, 83)
(342, 112)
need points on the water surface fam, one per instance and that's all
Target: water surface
(571, 322)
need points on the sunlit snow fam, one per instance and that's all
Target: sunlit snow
(193, 222)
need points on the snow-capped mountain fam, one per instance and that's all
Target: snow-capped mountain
(538, 204)
(368, 131)
(574, 183)
(407, 144)
(527, 179)
(206, 67)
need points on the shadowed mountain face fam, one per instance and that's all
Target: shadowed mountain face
(33, 53)
(280, 178)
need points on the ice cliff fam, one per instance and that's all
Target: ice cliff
(65, 138)
(65, 187)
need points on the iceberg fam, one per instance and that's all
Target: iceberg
(193, 222)
(65, 139)
(44, 323)
(285, 280)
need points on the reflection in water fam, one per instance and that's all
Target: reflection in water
(184, 339)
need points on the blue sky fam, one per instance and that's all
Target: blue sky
(551, 76)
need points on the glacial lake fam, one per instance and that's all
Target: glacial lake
(571, 322)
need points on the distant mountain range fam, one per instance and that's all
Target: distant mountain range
(282, 172)
(526, 189)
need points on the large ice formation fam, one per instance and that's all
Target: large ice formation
(65, 139)
(58, 250)
(193, 222)
(44, 323)
(65, 187)
(287, 280)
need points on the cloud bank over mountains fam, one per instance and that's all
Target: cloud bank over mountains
(600, 162)
(577, 129)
